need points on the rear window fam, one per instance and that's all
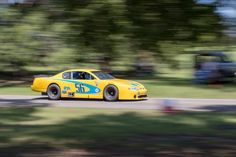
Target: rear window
(66, 75)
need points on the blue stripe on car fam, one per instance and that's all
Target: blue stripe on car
(92, 89)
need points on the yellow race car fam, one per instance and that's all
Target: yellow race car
(88, 83)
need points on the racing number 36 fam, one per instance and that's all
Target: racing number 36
(80, 88)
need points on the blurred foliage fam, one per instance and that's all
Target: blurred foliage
(62, 32)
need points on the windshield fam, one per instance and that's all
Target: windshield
(102, 75)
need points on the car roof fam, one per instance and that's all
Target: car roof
(84, 70)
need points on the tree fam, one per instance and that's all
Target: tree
(106, 26)
(77, 29)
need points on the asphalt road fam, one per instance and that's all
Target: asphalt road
(149, 104)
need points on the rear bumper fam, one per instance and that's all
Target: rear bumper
(37, 89)
(32, 88)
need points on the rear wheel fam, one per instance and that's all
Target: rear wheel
(111, 93)
(54, 92)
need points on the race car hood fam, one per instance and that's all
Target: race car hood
(128, 83)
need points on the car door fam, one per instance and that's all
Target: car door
(86, 85)
(92, 85)
(69, 86)
(80, 84)
(81, 87)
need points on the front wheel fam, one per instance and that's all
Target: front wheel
(111, 93)
(54, 92)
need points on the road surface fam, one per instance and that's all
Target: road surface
(149, 104)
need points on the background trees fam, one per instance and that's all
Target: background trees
(61, 32)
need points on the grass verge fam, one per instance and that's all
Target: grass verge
(107, 132)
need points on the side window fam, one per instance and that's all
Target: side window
(77, 75)
(88, 76)
(82, 76)
(66, 75)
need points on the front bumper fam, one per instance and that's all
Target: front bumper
(140, 94)
(137, 95)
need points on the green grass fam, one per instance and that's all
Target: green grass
(180, 85)
(17, 90)
(158, 88)
(106, 132)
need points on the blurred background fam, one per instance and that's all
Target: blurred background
(162, 43)
(176, 48)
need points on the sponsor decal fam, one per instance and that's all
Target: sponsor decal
(71, 94)
(97, 90)
(81, 87)
(65, 90)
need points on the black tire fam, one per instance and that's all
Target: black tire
(54, 92)
(111, 93)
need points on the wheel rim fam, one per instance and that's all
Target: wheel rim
(111, 92)
(53, 92)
